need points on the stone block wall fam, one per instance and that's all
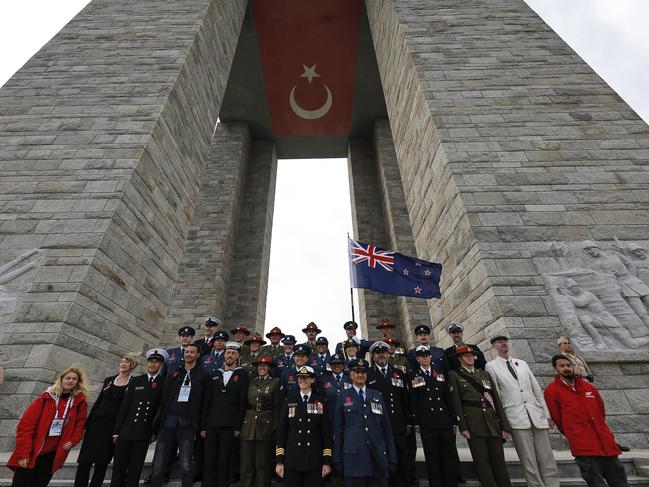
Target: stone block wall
(103, 139)
(506, 141)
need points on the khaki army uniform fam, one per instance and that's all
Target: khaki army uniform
(258, 431)
(272, 351)
(246, 360)
(483, 416)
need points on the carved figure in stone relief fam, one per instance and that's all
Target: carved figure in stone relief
(595, 320)
(632, 289)
(638, 259)
(10, 271)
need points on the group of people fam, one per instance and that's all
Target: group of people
(231, 405)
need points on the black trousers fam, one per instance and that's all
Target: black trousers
(440, 454)
(602, 471)
(489, 460)
(82, 475)
(377, 481)
(39, 476)
(401, 477)
(219, 447)
(128, 461)
(293, 478)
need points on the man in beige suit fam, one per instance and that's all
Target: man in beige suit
(527, 414)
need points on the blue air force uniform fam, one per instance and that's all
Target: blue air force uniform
(363, 440)
(212, 362)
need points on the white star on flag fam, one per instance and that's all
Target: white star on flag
(309, 73)
(426, 272)
(405, 272)
(417, 290)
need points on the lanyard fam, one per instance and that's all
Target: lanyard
(67, 408)
(188, 380)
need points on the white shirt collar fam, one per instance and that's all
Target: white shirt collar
(308, 396)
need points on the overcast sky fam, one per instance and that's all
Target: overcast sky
(312, 210)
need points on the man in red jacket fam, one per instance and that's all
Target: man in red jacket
(578, 411)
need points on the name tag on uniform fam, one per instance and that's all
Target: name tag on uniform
(486, 384)
(418, 381)
(396, 382)
(440, 378)
(183, 395)
(140, 388)
(56, 428)
(376, 408)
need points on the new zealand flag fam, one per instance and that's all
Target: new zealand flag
(387, 272)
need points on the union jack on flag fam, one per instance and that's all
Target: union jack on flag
(369, 253)
(389, 272)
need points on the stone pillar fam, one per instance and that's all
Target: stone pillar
(412, 311)
(507, 142)
(204, 277)
(369, 226)
(103, 140)
(246, 299)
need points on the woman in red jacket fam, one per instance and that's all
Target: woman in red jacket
(48, 429)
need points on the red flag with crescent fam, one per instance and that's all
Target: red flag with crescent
(308, 53)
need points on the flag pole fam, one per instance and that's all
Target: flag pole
(351, 289)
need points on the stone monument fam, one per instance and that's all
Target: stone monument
(475, 137)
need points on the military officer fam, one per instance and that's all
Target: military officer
(391, 383)
(321, 356)
(288, 379)
(303, 452)
(434, 419)
(213, 361)
(275, 347)
(437, 355)
(209, 328)
(259, 426)
(481, 418)
(334, 381)
(397, 357)
(386, 327)
(133, 430)
(176, 354)
(285, 359)
(249, 356)
(350, 352)
(350, 328)
(311, 331)
(239, 334)
(363, 441)
(224, 407)
(456, 331)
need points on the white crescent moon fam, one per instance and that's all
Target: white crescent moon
(310, 114)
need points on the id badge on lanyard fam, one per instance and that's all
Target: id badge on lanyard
(56, 428)
(185, 389)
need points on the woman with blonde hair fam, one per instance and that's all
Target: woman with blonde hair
(97, 447)
(49, 428)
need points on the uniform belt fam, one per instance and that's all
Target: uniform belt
(258, 408)
(476, 404)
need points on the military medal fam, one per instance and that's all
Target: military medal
(376, 408)
(291, 412)
(418, 381)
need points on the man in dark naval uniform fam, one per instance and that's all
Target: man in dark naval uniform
(391, 383)
(350, 328)
(185, 337)
(434, 418)
(134, 424)
(363, 441)
(456, 331)
(303, 453)
(209, 328)
(224, 407)
(437, 355)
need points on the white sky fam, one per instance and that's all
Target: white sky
(312, 209)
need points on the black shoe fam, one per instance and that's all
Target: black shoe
(623, 448)
(147, 479)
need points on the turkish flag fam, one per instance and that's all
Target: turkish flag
(308, 53)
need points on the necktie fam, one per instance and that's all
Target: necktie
(305, 398)
(383, 371)
(150, 379)
(428, 373)
(511, 369)
(338, 379)
(360, 393)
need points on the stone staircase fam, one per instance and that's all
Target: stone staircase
(636, 464)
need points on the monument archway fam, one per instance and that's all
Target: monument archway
(475, 138)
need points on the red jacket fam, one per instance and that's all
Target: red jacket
(579, 414)
(34, 426)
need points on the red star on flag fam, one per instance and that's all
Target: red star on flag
(417, 290)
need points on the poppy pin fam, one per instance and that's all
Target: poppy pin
(154, 385)
(175, 375)
(395, 375)
(235, 378)
(516, 364)
(348, 400)
(290, 377)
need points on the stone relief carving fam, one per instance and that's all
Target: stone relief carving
(11, 286)
(601, 292)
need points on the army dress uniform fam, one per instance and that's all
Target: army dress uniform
(479, 410)
(393, 387)
(304, 440)
(454, 364)
(258, 430)
(432, 410)
(134, 428)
